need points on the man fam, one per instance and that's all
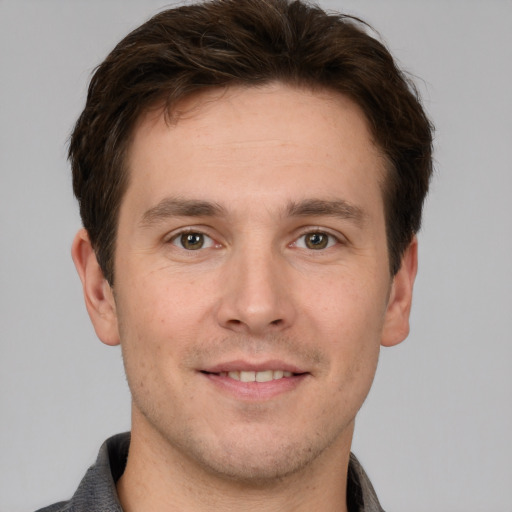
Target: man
(250, 175)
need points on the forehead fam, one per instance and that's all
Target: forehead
(260, 140)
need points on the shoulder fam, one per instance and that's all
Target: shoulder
(61, 506)
(97, 490)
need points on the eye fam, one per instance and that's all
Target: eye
(316, 241)
(192, 241)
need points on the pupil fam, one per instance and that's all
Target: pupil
(192, 240)
(317, 241)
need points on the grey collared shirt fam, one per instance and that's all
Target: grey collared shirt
(97, 490)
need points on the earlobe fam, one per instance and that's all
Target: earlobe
(98, 295)
(396, 323)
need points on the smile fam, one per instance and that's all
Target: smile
(256, 382)
(260, 376)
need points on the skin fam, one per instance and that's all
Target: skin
(258, 176)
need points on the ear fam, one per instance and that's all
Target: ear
(98, 295)
(396, 323)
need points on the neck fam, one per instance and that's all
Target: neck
(160, 477)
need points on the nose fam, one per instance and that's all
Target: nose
(256, 294)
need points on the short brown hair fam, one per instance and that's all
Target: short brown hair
(247, 42)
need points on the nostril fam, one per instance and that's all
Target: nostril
(276, 322)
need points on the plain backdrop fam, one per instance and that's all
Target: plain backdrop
(435, 432)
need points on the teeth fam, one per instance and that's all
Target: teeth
(247, 376)
(263, 376)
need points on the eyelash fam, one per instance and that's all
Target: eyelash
(331, 239)
(177, 239)
(179, 236)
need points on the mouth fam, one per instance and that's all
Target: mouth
(248, 381)
(254, 376)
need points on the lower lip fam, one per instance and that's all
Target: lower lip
(255, 391)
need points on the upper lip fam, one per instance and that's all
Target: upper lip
(248, 366)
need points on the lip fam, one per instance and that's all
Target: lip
(254, 391)
(247, 366)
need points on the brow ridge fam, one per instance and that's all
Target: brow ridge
(180, 207)
(326, 207)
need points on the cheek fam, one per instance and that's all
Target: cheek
(150, 354)
(350, 309)
(348, 321)
(159, 319)
(162, 300)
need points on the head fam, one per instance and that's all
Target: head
(251, 175)
(248, 43)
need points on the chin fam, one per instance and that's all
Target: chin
(259, 469)
(259, 463)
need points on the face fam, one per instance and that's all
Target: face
(252, 287)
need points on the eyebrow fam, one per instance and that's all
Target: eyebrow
(178, 207)
(330, 208)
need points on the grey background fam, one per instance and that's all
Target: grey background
(435, 432)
